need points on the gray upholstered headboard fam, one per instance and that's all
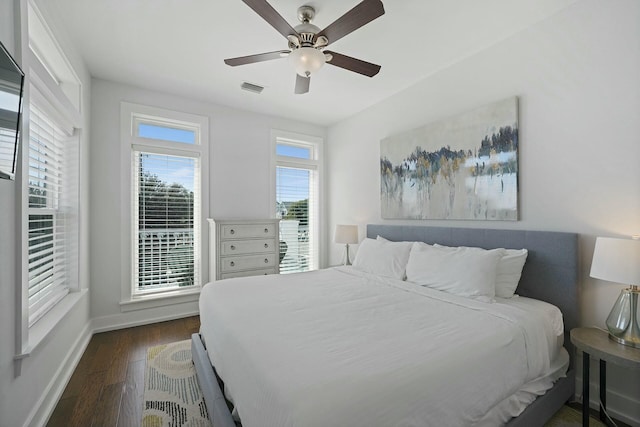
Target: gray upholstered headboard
(550, 273)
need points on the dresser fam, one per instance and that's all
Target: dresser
(239, 248)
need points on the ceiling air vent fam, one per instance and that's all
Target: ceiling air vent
(251, 87)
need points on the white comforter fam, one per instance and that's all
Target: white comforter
(342, 348)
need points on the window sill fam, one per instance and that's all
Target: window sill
(159, 300)
(41, 330)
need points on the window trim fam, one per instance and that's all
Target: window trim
(130, 115)
(37, 68)
(316, 163)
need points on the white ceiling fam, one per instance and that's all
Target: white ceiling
(178, 47)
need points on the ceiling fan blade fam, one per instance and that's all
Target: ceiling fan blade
(302, 84)
(242, 60)
(352, 64)
(362, 14)
(269, 14)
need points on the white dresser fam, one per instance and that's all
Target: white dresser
(239, 248)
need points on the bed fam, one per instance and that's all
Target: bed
(363, 364)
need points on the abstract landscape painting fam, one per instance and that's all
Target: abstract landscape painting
(464, 167)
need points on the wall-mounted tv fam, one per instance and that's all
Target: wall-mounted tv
(11, 86)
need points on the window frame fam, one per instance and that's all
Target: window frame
(66, 110)
(62, 206)
(131, 115)
(316, 163)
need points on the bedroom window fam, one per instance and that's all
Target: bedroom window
(167, 154)
(52, 208)
(297, 200)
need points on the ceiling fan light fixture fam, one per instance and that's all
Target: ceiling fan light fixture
(307, 60)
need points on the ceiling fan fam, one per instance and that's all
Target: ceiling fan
(306, 41)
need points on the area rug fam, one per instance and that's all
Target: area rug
(172, 397)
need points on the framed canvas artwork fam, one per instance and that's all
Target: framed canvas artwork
(464, 167)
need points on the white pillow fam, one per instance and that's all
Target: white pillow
(509, 272)
(383, 258)
(509, 269)
(460, 271)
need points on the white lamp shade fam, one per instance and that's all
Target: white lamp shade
(307, 60)
(616, 260)
(347, 234)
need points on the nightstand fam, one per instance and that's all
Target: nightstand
(596, 343)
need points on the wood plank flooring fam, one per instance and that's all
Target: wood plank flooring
(106, 389)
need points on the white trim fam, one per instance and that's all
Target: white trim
(28, 338)
(55, 101)
(50, 396)
(130, 114)
(317, 163)
(169, 297)
(114, 322)
(619, 406)
(290, 163)
(168, 150)
(43, 409)
(40, 331)
(55, 62)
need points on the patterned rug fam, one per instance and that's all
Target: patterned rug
(172, 396)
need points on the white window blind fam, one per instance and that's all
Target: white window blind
(166, 220)
(297, 183)
(48, 243)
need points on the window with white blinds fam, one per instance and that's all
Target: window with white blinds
(166, 201)
(297, 204)
(50, 214)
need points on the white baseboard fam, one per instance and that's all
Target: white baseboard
(619, 406)
(42, 411)
(124, 320)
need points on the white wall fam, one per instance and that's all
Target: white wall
(239, 169)
(7, 243)
(577, 75)
(28, 398)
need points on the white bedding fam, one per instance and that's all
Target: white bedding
(339, 347)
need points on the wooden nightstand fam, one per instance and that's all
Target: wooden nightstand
(595, 342)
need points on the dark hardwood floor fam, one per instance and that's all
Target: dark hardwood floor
(107, 386)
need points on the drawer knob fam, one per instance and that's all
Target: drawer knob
(232, 263)
(266, 245)
(232, 231)
(266, 261)
(233, 247)
(266, 230)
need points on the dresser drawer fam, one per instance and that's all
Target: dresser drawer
(246, 273)
(230, 247)
(248, 262)
(245, 231)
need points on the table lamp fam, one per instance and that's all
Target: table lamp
(618, 260)
(346, 234)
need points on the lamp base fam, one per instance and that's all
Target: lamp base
(348, 260)
(622, 322)
(624, 342)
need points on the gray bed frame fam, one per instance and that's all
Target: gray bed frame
(550, 274)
